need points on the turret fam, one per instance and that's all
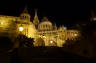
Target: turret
(36, 19)
(25, 15)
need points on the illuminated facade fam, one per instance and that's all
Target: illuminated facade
(45, 33)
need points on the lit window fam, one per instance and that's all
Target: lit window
(75, 34)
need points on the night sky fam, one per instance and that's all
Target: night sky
(62, 12)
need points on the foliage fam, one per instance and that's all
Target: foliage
(25, 41)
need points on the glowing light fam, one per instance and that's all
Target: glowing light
(94, 19)
(51, 41)
(75, 34)
(1, 23)
(44, 37)
(65, 28)
(21, 28)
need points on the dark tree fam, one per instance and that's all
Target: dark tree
(25, 41)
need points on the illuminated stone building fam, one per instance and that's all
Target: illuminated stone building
(11, 25)
(44, 32)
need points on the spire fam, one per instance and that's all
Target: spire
(55, 26)
(36, 19)
(25, 10)
(36, 16)
(35, 12)
(25, 14)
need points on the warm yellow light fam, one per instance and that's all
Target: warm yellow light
(44, 37)
(1, 23)
(21, 28)
(51, 41)
(75, 34)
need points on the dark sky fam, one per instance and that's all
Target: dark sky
(63, 12)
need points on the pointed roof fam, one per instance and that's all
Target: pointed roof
(36, 19)
(25, 10)
(55, 26)
(35, 12)
(36, 16)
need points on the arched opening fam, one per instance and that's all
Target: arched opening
(52, 43)
(39, 42)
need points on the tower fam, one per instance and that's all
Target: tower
(36, 19)
(25, 15)
(93, 16)
(55, 27)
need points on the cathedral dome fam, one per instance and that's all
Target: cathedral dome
(45, 24)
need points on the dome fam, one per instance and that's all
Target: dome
(46, 22)
(45, 25)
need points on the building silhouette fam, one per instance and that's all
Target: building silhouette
(44, 32)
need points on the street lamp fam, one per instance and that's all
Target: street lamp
(1, 23)
(21, 28)
(51, 41)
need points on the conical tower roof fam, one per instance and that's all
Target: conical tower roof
(36, 19)
(36, 13)
(25, 10)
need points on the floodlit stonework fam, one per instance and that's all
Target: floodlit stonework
(44, 32)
